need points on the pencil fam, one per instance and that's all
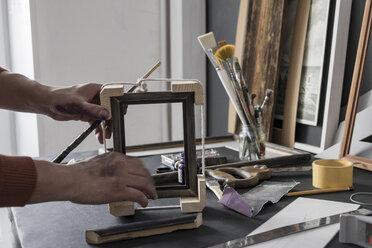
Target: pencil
(318, 191)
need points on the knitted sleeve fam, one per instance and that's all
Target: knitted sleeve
(17, 180)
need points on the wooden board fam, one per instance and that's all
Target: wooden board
(294, 74)
(258, 42)
(352, 104)
(97, 237)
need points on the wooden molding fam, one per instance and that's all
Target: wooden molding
(359, 162)
(294, 74)
(195, 204)
(93, 237)
(352, 104)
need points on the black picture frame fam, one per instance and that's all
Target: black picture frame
(189, 188)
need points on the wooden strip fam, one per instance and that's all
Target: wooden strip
(92, 237)
(153, 68)
(258, 39)
(357, 80)
(362, 163)
(294, 73)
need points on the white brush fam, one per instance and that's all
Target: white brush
(209, 45)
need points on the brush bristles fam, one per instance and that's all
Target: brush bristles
(269, 92)
(225, 52)
(222, 43)
(207, 41)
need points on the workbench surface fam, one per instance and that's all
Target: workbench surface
(63, 224)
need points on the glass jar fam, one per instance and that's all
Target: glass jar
(247, 144)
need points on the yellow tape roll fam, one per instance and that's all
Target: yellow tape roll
(332, 173)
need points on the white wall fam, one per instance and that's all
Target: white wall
(19, 127)
(94, 41)
(71, 42)
(188, 21)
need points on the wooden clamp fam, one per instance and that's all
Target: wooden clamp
(190, 86)
(187, 204)
(195, 204)
(108, 91)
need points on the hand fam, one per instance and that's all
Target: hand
(105, 178)
(80, 102)
(113, 177)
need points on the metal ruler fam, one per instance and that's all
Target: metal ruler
(288, 230)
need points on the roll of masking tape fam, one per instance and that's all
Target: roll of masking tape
(332, 173)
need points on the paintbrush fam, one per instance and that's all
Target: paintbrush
(76, 142)
(248, 98)
(269, 92)
(94, 125)
(318, 191)
(209, 45)
(225, 55)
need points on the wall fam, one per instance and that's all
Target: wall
(95, 41)
(222, 16)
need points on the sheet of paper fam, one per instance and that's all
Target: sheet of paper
(304, 209)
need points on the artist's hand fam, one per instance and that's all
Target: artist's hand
(80, 102)
(105, 178)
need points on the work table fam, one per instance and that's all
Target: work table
(63, 224)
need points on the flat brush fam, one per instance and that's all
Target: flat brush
(209, 45)
(94, 125)
(269, 92)
(247, 97)
(225, 55)
(81, 138)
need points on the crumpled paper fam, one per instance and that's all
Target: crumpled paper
(267, 191)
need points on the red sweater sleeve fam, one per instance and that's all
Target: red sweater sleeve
(17, 180)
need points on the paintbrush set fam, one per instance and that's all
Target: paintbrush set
(227, 66)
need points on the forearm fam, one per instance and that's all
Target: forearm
(20, 93)
(54, 183)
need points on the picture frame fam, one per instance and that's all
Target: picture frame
(190, 186)
(360, 162)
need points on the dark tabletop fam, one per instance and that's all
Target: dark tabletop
(63, 224)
